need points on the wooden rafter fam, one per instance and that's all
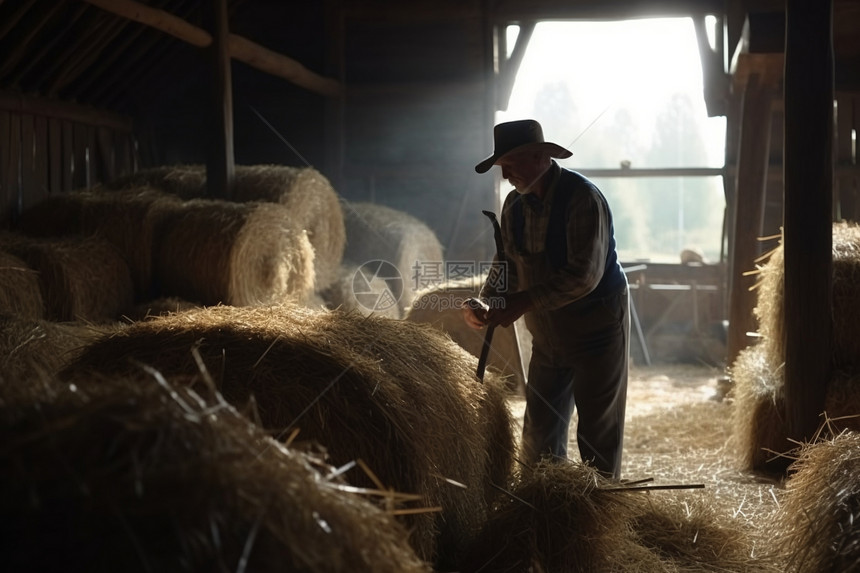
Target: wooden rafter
(240, 48)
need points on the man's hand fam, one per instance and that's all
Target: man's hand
(514, 306)
(475, 313)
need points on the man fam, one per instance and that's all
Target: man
(565, 279)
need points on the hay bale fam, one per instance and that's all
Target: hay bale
(83, 279)
(817, 528)
(239, 254)
(33, 349)
(142, 474)
(184, 181)
(130, 220)
(759, 426)
(379, 233)
(19, 288)
(313, 203)
(399, 396)
(440, 306)
(358, 290)
(846, 300)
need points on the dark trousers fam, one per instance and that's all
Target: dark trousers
(594, 381)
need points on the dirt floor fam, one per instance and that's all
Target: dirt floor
(678, 432)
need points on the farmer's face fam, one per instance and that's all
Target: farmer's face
(524, 170)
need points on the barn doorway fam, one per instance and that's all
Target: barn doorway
(626, 97)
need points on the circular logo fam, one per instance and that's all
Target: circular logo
(377, 285)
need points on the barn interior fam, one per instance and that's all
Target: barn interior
(235, 236)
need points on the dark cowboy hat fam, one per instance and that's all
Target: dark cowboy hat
(519, 136)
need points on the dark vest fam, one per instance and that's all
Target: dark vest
(571, 182)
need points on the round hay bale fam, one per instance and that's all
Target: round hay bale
(142, 474)
(81, 278)
(32, 350)
(57, 215)
(185, 181)
(846, 294)
(379, 233)
(19, 288)
(238, 254)
(759, 427)
(313, 203)
(440, 306)
(358, 290)
(129, 220)
(817, 528)
(398, 396)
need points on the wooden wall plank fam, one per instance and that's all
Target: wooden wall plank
(28, 165)
(68, 155)
(55, 155)
(12, 171)
(5, 168)
(40, 164)
(80, 174)
(748, 217)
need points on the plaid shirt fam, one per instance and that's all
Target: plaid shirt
(588, 240)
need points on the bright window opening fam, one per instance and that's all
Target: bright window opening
(629, 96)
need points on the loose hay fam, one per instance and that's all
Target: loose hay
(565, 518)
(80, 278)
(399, 396)
(19, 288)
(311, 201)
(379, 233)
(239, 254)
(819, 526)
(142, 474)
(440, 306)
(555, 518)
(356, 289)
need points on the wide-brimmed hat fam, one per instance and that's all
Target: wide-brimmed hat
(518, 136)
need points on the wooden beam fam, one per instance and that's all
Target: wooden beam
(750, 189)
(508, 71)
(808, 227)
(240, 48)
(28, 105)
(220, 160)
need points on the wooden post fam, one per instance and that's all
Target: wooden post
(750, 190)
(220, 160)
(808, 228)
